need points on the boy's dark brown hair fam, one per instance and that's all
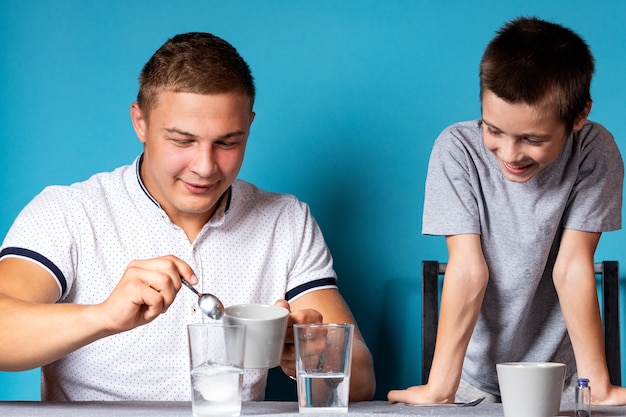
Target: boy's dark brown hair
(541, 64)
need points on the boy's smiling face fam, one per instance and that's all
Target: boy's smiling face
(524, 139)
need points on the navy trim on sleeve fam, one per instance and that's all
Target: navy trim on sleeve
(26, 253)
(323, 282)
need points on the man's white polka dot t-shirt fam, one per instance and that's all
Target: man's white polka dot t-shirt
(257, 248)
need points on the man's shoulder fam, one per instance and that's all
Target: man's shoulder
(250, 192)
(102, 185)
(250, 201)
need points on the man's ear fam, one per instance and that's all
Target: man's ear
(580, 121)
(139, 121)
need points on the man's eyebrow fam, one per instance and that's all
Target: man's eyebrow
(233, 134)
(192, 135)
(178, 131)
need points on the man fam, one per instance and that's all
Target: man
(90, 274)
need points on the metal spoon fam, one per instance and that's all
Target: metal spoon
(209, 304)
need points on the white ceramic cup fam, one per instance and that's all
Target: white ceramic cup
(531, 388)
(266, 327)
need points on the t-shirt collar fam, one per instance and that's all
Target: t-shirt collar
(224, 203)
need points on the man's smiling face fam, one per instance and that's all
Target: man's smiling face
(194, 146)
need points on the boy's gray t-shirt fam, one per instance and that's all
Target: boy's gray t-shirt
(520, 225)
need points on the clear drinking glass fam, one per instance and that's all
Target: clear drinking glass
(216, 354)
(323, 365)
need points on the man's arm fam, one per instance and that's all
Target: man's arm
(328, 306)
(464, 287)
(34, 331)
(575, 283)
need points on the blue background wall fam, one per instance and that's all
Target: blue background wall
(351, 95)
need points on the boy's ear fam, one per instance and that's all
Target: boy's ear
(580, 121)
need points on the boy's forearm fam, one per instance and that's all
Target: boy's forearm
(575, 284)
(464, 285)
(579, 305)
(461, 301)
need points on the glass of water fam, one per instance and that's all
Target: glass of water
(216, 354)
(323, 362)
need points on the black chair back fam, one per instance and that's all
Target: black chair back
(607, 270)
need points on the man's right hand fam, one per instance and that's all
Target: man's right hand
(146, 290)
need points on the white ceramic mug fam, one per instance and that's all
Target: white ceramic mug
(266, 327)
(531, 388)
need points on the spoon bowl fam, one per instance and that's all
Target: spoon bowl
(209, 304)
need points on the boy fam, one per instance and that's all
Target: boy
(522, 197)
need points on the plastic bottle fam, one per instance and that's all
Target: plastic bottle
(583, 398)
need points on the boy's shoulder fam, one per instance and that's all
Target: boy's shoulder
(462, 132)
(592, 128)
(471, 127)
(461, 138)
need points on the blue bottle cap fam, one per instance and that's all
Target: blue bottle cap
(583, 382)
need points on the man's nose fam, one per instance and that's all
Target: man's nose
(204, 161)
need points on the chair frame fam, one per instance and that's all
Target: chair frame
(609, 273)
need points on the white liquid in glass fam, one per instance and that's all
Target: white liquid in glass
(216, 390)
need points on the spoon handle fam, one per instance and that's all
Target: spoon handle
(188, 285)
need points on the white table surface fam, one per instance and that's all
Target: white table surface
(266, 408)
